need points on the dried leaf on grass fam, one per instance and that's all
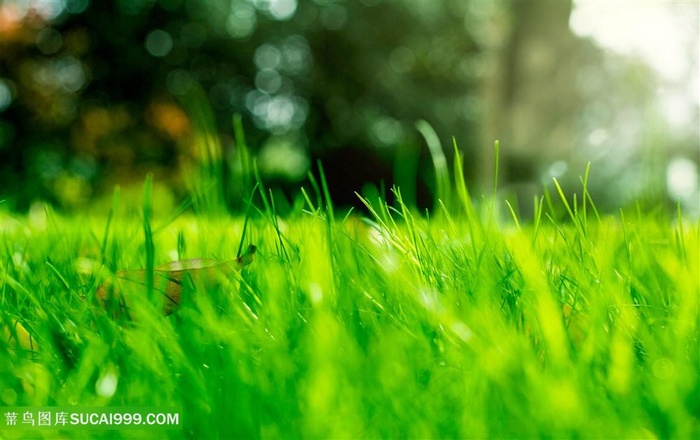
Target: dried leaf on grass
(168, 280)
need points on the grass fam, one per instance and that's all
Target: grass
(394, 325)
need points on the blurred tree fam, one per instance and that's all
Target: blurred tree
(95, 93)
(93, 83)
(531, 93)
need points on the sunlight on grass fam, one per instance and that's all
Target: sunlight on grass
(394, 325)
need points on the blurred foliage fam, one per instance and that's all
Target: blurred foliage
(94, 94)
(96, 84)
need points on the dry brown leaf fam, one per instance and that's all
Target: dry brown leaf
(168, 280)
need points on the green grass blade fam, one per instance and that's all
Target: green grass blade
(58, 274)
(442, 173)
(564, 200)
(537, 209)
(326, 193)
(148, 234)
(249, 204)
(112, 211)
(514, 215)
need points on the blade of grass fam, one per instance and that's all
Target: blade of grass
(330, 223)
(515, 217)
(377, 217)
(110, 216)
(473, 222)
(58, 274)
(316, 188)
(249, 204)
(326, 193)
(587, 194)
(563, 199)
(538, 206)
(275, 224)
(442, 174)
(550, 204)
(461, 186)
(148, 234)
(307, 199)
(259, 185)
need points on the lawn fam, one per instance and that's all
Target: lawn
(462, 324)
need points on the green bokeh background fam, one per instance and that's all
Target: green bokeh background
(97, 94)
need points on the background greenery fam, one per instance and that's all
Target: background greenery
(94, 94)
